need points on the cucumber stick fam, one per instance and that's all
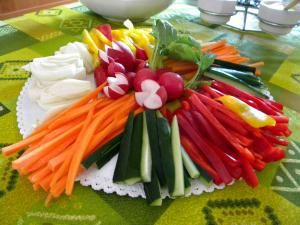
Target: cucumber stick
(105, 151)
(133, 173)
(154, 145)
(107, 155)
(146, 161)
(177, 158)
(152, 191)
(187, 184)
(124, 152)
(189, 165)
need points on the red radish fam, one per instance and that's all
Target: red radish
(122, 58)
(130, 77)
(140, 64)
(162, 93)
(173, 84)
(117, 86)
(152, 95)
(100, 74)
(120, 80)
(161, 71)
(105, 29)
(113, 91)
(115, 67)
(128, 54)
(140, 53)
(141, 75)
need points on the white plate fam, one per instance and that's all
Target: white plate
(29, 113)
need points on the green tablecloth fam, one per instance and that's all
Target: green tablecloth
(275, 201)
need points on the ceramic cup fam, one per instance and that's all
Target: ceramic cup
(216, 11)
(275, 20)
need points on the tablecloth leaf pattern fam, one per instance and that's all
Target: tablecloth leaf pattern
(276, 201)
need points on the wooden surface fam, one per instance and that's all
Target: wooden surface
(12, 8)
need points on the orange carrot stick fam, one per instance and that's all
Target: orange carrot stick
(46, 158)
(14, 148)
(39, 152)
(257, 64)
(84, 138)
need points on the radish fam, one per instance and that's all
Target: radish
(140, 64)
(117, 86)
(100, 74)
(161, 71)
(105, 29)
(173, 83)
(141, 75)
(130, 77)
(152, 95)
(115, 67)
(140, 53)
(122, 58)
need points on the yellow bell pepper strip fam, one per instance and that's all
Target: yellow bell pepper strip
(89, 41)
(102, 37)
(250, 115)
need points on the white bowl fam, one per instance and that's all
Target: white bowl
(217, 11)
(120, 10)
(274, 19)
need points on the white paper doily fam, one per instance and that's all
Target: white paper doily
(29, 113)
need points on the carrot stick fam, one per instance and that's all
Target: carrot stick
(257, 72)
(56, 161)
(38, 175)
(84, 138)
(36, 187)
(72, 115)
(39, 152)
(63, 169)
(257, 64)
(213, 45)
(14, 148)
(59, 188)
(48, 199)
(55, 152)
(45, 182)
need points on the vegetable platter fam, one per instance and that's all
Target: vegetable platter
(146, 112)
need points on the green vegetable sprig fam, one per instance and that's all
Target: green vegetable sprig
(179, 47)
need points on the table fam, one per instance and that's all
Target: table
(275, 201)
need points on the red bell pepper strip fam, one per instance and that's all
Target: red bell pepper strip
(202, 146)
(209, 130)
(196, 102)
(278, 127)
(248, 173)
(259, 165)
(276, 141)
(198, 158)
(228, 122)
(281, 119)
(185, 105)
(242, 139)
(235, 172)
(105, 29)
(211, 91)
(216, 105)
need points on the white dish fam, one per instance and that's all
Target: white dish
(120, 10)
(29, 113)
(216, 11)
(274, 19)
